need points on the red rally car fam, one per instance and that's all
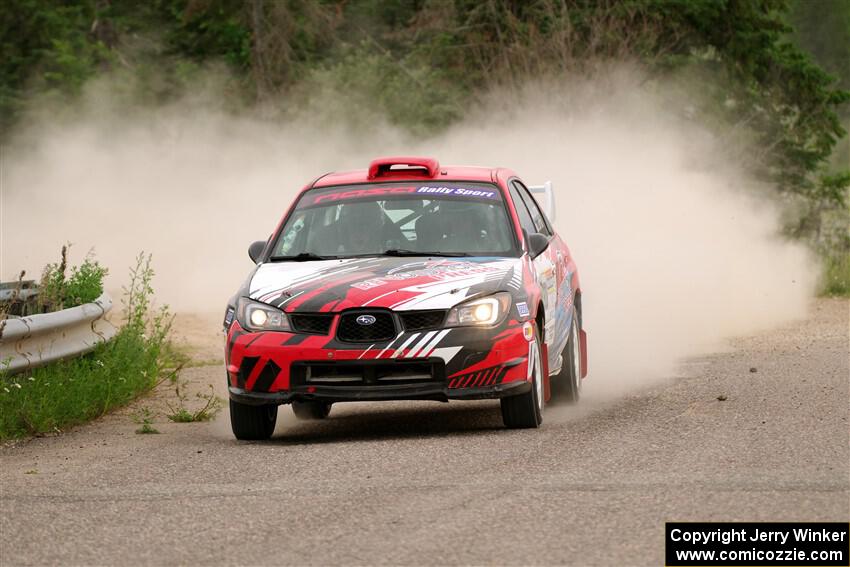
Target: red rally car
(407, 281)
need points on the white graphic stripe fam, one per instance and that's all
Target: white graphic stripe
(447, 353)
(380, 354)
(433, 344)
(516, 279)
(378, 297)
(365, 351)
(409, 340)
(307, 277)
(421, 344)
(431, 291)
(290, 298)
(321, 276)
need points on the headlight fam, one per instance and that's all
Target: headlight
(255, 316)
(485, 311)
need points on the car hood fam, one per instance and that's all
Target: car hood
(401, 284)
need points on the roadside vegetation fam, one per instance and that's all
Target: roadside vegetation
(69, 392)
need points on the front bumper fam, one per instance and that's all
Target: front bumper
(442, 364)
(380, 393)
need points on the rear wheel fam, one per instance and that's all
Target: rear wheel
(566, 385)
(311, 410)
(252, 423)
(526, 410)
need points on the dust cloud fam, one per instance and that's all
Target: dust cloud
(677, 250)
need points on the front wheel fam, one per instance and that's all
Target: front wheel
(525, 411)
(252, 423)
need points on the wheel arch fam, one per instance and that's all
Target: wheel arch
(540, 319)
(582, 334)
(577, 303)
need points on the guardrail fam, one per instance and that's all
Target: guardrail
(21, 290)
(29, 342)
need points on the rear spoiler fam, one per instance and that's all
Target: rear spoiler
(545, 197)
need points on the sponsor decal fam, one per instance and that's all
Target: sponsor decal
(358, 194)
(438, 272)
(522, 309)
(458, 191)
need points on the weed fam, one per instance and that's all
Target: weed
(52, 285)
(144, 417)
(181, 414)
(147, 428)
(72, 391)
(57, 291)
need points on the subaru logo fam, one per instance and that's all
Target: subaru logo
(365, 320)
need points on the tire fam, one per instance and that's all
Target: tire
(566, 385)
(311, 410)
(525, 411)
(252, 423)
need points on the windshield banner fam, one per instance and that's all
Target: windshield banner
(430, 191)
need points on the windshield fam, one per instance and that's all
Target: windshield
(402, 219)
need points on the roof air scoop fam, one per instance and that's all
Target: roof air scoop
(405, 166)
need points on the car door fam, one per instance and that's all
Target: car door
(550, 269)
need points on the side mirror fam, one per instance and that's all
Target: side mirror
(256, 249)
(537, 243)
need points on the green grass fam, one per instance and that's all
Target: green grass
(836, 276)
(73, 391)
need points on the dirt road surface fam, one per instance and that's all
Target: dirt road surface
(429, 483)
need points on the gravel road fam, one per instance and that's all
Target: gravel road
(430, 483)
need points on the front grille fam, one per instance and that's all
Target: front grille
(383, 328)
(315, 323)
(420, 320)
(366, 373)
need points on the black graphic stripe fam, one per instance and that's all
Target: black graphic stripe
(267, 377)
(248, 364)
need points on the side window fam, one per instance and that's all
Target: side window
(522, 210)
(288, 239)
(540, 223)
